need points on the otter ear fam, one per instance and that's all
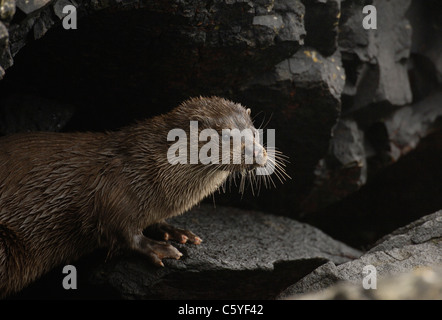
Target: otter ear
(249, 111)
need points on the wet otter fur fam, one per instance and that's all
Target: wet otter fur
(62, 195)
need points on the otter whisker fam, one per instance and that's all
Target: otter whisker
(252, 179)
(277, 173)
(268, 121)
(256, 115)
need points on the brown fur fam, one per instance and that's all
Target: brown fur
(65, 194)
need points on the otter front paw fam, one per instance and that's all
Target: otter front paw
(156, 250)
(165, 231)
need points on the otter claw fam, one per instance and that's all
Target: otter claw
(159, 253)
(156, 251)
(166, 232)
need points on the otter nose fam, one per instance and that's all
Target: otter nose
(258, 153)
(261, 156)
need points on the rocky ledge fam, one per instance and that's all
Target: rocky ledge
(251, 255)
(244, 255)
(417, 245)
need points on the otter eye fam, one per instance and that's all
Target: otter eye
(226, 137)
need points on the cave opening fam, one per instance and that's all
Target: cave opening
(102, 75)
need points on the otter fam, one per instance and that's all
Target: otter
(63, 195)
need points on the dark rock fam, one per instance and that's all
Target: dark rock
(376, 88)
(195, 37)
(321, 24)
(301, 97)
(5, 55)
(28, 112)
(353, 39)
(393, 196)
(402, 131)
(345, 168)
(7, 10)
(425, 64)
(43, 24)
(347, 147)
(287, 20)
(58, 7)
(408, 125)
(308, 69)
(426, 20)
(343, 171)
(425, 229)
(418, 244)
(243, 255)
(166, 52)
(29, 6)
(375, 60)
(423, 76)
(3, 45)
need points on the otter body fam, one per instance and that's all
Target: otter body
(63, 195)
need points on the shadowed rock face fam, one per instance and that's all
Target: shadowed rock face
(394, 197)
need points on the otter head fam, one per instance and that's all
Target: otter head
(222, 141)
(227, 137)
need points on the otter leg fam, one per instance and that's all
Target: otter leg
(166, 232)
(155, 250)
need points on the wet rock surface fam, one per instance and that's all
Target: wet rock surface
(244, 255)
(418, 244)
